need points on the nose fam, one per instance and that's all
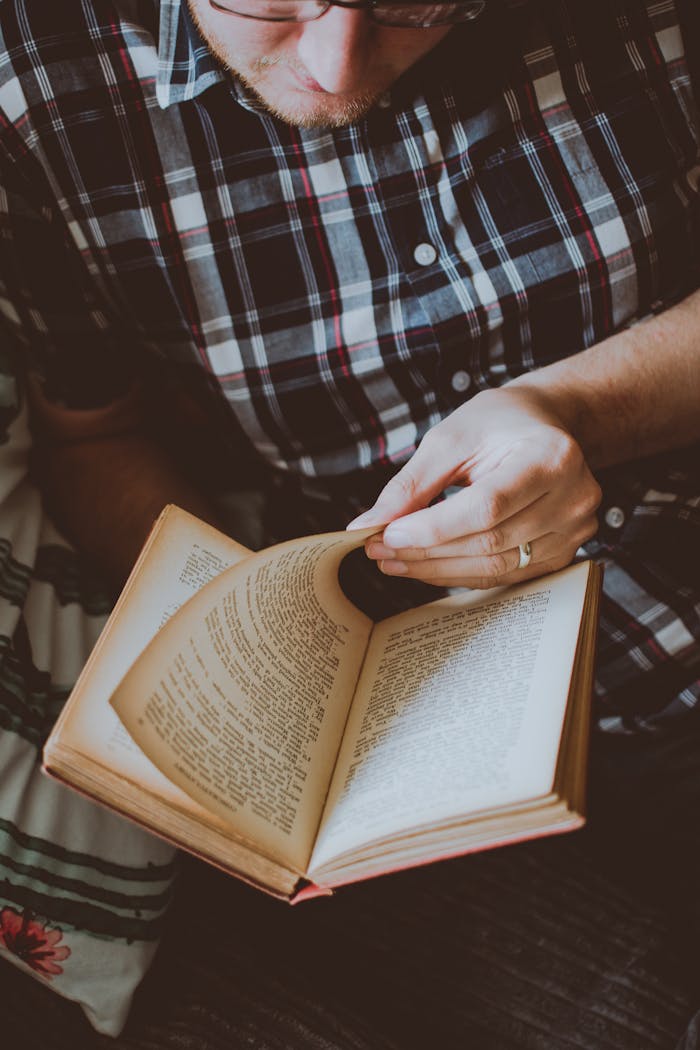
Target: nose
(335, 49)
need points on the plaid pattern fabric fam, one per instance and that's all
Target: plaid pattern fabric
(526, 190)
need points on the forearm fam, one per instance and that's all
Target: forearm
(632, 395)
(104, 480)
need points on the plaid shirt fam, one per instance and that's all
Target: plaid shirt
(530, 187)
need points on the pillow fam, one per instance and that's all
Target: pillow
(82, 892)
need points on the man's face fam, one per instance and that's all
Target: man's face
(322, 73)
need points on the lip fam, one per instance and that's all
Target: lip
(307, 82)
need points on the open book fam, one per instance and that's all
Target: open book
(239, 705)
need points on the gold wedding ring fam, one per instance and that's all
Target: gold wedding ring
(525, 555)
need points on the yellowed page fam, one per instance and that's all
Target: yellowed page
(181, 556)
(459, 709)
(242, 698)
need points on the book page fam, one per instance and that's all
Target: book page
(459, 709)
(242, 698)
(182, 555)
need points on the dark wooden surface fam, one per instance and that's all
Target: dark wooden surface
(564, 943)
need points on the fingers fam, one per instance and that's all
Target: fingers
(494, 552)
(494, 539)
(549, 552)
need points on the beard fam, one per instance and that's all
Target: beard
(321, 111)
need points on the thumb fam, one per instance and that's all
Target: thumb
(417, 483)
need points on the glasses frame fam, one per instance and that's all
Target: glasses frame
(369, 6)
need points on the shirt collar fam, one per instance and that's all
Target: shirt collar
(186, 66)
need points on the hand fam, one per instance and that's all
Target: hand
(524, 480)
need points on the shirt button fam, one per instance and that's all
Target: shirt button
(461, 381)
(693, 177)
(615, 517)
(384, 101)
(425, 254)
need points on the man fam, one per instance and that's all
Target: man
(295, 245)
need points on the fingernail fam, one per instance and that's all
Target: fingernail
(397, 539)
(363, 521)
(393, 568)
(379, 550)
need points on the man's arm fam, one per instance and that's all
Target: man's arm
(525, 454)
(104, 480)
(635, 394)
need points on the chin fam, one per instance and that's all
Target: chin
(304, 109)
(321, 116)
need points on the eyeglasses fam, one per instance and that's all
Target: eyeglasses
(407, 14)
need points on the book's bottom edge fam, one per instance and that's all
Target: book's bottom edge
(574, 822)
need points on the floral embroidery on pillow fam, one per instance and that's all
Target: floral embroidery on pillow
(33, 943)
